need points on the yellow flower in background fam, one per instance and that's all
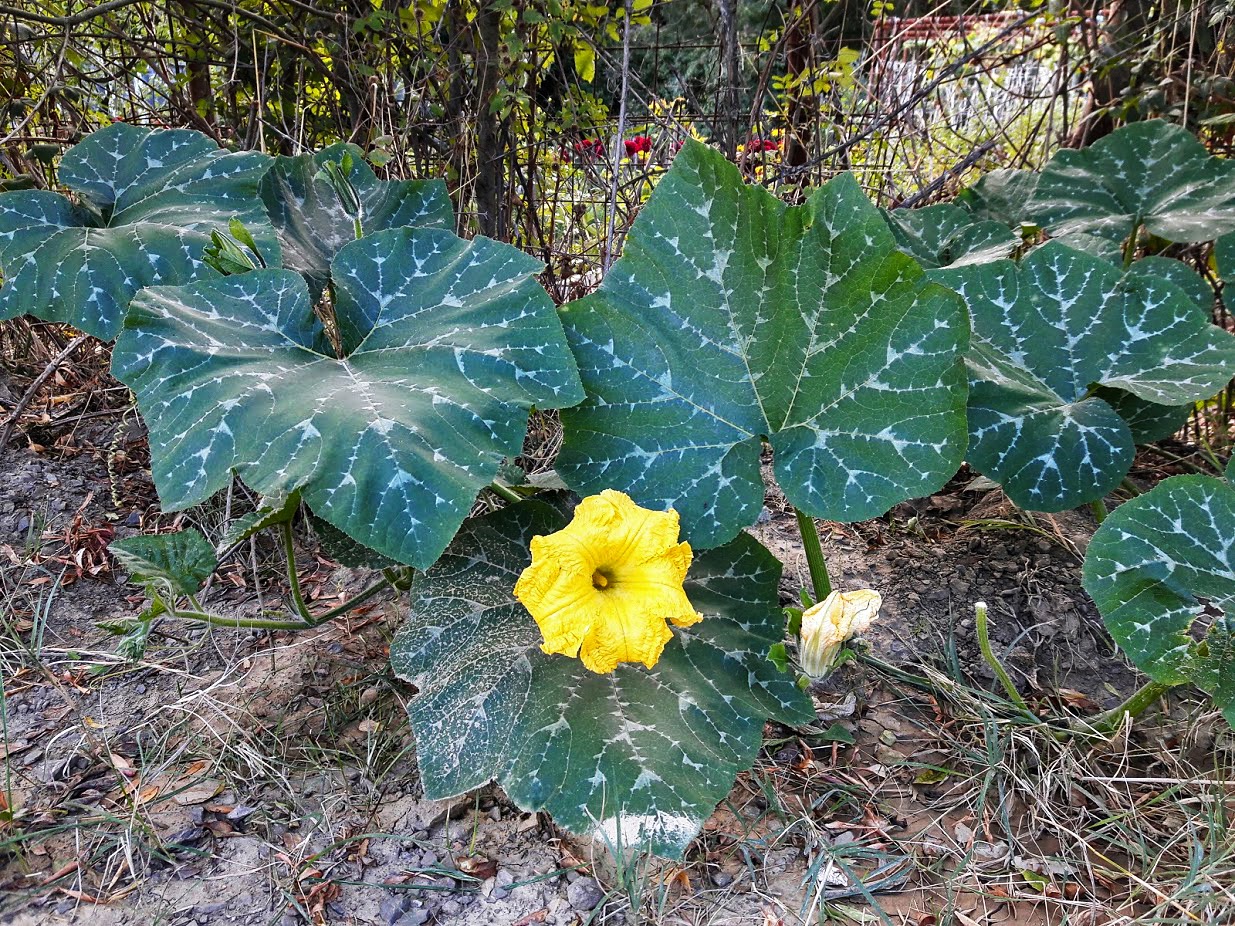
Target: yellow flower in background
(603, 587)
(827, 625)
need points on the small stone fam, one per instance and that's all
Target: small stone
(584, 894)
(451, 907)
(722, 878)
(393, 907)
(134, 519)
(495, 814)
(413, 918)
(501, 885)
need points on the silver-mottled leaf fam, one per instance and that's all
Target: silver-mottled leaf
(945, 235)
(450, 343)
(1047, 331)
(644, 753)
(1151, 173)
(1161, 570)
(312, 224)
(731, 318)
(149, 200)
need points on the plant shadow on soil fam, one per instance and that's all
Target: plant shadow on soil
(236, 776)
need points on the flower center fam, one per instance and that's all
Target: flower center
(600, 580)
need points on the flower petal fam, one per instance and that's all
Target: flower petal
(605, 586)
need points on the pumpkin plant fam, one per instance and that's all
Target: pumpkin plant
(732, 321)
(1161, 570)
(140, 210)
(1049, 335)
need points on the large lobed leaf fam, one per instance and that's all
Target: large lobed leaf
(946, 235)
(1151, 173)
(146, 204)
(1048, 331)
(448, 344)
(640, 754)
(1161, 570)
(731, 318)
(312, 224)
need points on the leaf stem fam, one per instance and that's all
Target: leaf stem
(984, 643)
(1130, 245)
(814, 555)
(505, 492)
(1135, 705)
(1098, 506)
(304, 622)
(293, 579)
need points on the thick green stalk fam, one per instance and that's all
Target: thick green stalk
(1099, 510)
(1130, 247)
(506, 493)
(984, 644)
(305, 622)
(1136, 704)
(293, 579)
(814, 556)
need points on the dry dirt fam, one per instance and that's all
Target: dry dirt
(243, 777)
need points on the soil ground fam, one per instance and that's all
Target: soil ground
(242, 777)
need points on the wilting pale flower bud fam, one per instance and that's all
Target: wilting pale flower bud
(827, 625)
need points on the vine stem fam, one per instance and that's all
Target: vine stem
(293, 578)
(982, 627)
(815, 562)
(306, 622)
(505, 492)
(1098, 506)
(1130, 247)
(1135, 705)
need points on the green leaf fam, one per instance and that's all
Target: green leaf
(1150, 173)
(344, 550)
(1148, 421)
(449, 344)
(1047, 331)
(183, 561)
(732, 318)
(1181, 275)
(148, 201)
(274, 509)
(585, 61)
(1161, 570)
(1151, 421)
(943, 235)
(1000, 196)
(654, 749)
(313, 224)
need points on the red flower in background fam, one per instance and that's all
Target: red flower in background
(590, 148)
(763, 144)
(640, 144)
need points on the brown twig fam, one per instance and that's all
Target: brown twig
(35, 386)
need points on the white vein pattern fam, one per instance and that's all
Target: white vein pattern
(946, 235)
(732, 318)
(148, 200)
(310, 220)
(449, 344)
(1148, 172)
(1047, 331)
(660, 746)
(1160, 563)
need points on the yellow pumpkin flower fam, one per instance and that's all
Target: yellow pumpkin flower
(603, 587)
(827, 625)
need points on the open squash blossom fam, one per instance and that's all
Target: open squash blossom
(827, 625)
(603, 587)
